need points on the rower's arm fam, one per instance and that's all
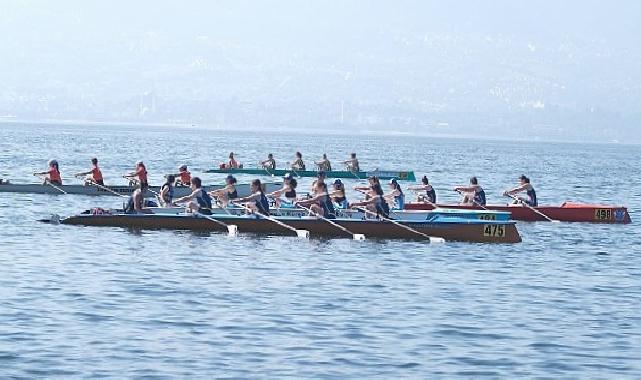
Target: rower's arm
(186, 198)
(276, 193)
(516, 190)
(465, 189)
(310, 200)
(246, 199)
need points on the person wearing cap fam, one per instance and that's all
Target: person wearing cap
(53, 174)
(139, 174)
(395, 196)
(285, 196)
(338, 195)
(524, 186)
(298, 164)
(352, 164)
(96, 174)
(324, 164)
(227, 193)
(184, 176)
(269, 163)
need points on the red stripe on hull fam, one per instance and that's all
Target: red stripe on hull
(569, 212)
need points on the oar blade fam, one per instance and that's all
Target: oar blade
(359, 237)
(302, 234)
(436, 240)
(232, 230)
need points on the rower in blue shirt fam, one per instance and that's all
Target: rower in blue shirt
(473, 195)
(527, 188)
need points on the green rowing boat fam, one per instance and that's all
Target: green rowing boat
(382, 174)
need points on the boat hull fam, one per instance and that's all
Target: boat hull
(179, 191)
(567, 212)
(382, 174)
(408, 215)
(447, 228)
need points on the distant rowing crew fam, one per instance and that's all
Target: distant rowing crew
(297, 164)
(94, 175)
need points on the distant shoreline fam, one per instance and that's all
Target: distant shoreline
(348, 131)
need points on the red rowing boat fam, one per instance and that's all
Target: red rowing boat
(567, 212)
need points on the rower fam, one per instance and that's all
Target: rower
(352, 164)
(430, 193)
(285, 196)
(338, 195)
(136, 203)
(139, 174)
(324, 164)
(184, 176)
(269, 163)
(166, 195)
(227, 193)
(53, 174)
(524, 186)
(376, 201)
(96, 174)
(321, 203)
(396, 195)
(474, 193)
(298, 164)
(372, 180)
(199, 200)
(258, 202)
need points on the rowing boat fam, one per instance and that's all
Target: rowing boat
(448, 228)
(382, 174)
(406, 215)
(566, 212)
(179, 191)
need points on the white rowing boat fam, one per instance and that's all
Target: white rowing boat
(179, 191)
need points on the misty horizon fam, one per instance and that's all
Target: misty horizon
(541, 71)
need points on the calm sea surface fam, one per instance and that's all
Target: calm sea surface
(107, 302)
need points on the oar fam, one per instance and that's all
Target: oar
(425, 200)
(431, 239)
(265, 168)
(475, 202)
(303, 234)
(232, 229)
(105, 188)
(148, 187)
(355, 236)
(54, 186)
(533, 209)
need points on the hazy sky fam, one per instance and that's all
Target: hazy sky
(417, 60)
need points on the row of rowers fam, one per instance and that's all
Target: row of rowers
(94, 176)
(297, 164)
(321, 200)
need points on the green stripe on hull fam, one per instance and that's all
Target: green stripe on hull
(382, 174)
